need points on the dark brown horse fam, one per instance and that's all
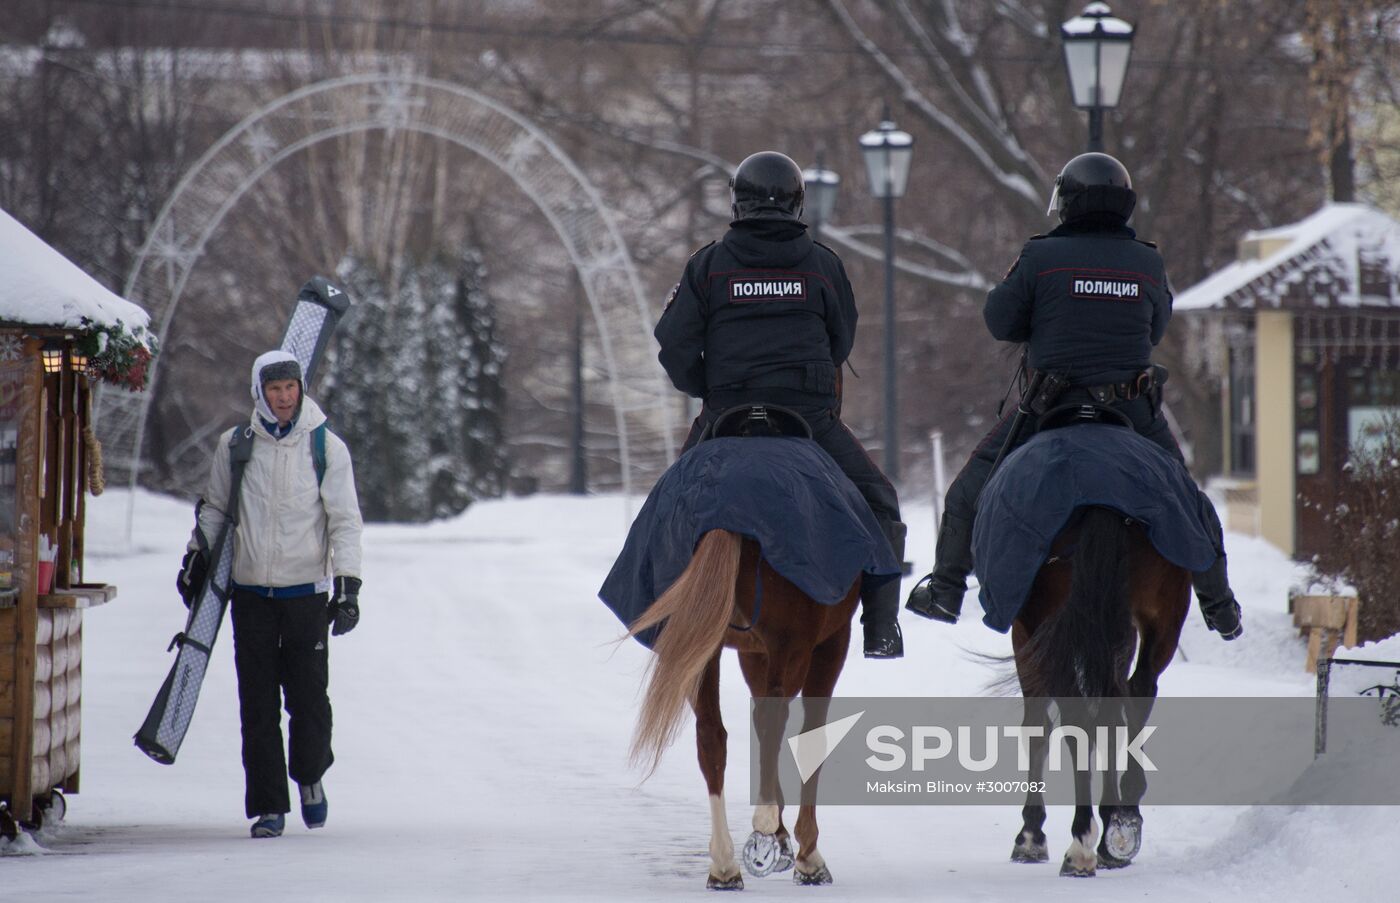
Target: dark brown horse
(794, 646)
(1104, 591)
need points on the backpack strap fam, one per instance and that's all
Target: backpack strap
(318, 452)
(240, 445)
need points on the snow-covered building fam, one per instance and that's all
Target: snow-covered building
(59, 330)
(1307, 326)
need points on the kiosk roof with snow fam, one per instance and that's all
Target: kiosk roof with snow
(1343, 256)
(44, 288)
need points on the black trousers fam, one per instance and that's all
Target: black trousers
(845, 449)
(961, 499)
(280, 647)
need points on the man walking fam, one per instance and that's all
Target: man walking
(295, 579)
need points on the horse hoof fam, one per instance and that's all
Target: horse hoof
(1069, 870)
(765, 854)
(1122, 838)
(1108, 861)
(734, 883)
(1030, 849)
(785, 857)
(812, 879)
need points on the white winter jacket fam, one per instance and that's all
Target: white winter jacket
(290, 531)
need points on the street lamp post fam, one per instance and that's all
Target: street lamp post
(887, 152)
(1097, 47)
(821, 185)
(578, 464)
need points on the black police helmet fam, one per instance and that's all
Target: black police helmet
(1092, 184)
(767, 185)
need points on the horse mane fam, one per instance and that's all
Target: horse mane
(695, 613)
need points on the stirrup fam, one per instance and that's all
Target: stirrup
(924, 603)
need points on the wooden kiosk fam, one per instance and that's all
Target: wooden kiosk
(49, 459)
(1303, 331)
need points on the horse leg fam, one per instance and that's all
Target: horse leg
(770, 716)
(768, 848)
(711, 741)
(827, 661)
(1122, 824)
(1119, 813)
(1081, 859)
(1030, 845)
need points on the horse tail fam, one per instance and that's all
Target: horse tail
(1083, 649)
(696, 610)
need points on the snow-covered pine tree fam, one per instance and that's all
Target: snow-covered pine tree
(482, 428)
(414, 387)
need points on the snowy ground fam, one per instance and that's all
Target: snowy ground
(482, 719)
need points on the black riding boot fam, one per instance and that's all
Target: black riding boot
(1218, 605)
(940, 594)
(880, 606)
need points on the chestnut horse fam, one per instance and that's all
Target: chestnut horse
(791, 645)
(1103, 591)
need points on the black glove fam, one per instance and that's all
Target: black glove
(192, 572)
(344, 608)
(1224, 619)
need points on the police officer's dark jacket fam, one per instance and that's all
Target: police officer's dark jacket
(764, 314)
(1090, 298)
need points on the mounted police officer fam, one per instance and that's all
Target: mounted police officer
(1090, 300)
(767, 315)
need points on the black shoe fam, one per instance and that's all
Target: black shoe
(936, 602)
(940, 595)
(880, 617)
(884, 640)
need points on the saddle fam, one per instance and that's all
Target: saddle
(766, 420)
(1085, 412)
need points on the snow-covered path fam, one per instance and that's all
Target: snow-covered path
(482, 720)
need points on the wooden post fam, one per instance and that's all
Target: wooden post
(64, 464)
(27, 489)
(1327, 621)
(1314, 649)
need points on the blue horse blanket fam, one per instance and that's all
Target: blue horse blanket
(809, 519)
(1035, 492)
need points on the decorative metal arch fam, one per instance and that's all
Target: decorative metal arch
(335, 107)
